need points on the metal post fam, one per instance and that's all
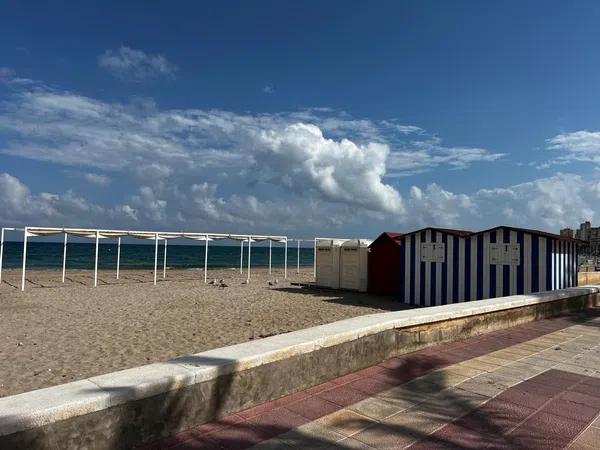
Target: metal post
(1, 252)
(315, 259)
(96, 259)
(270, 250)
(24, 258)
(165, 261)
(64, 258)
(155, 255)
(285, 260)
(205, 259)
(298, 263)
(242, 257)
(118, 256)
(249, 249)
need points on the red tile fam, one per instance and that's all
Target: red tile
(586, 389)
(278, 421)
(542, 423)
(591, 381)
(370, 386)
(313, 407)
(320, 388)
(238, 437)
(454, 436)
(531, 439)
(343, 395)
(570, 410)
(369, 371)
(256, 410)
(393, 377)
(518, 397)
(583, 399)
(292, 398)
(347, 378)
(558, 378)
(218, 424)
(394, 363)
(197, 444)
(541, 389)
(495, 417)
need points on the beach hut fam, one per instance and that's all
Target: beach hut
(427, 263)
(384, 265)
(328, 263)
(354, 264)
(440, 266)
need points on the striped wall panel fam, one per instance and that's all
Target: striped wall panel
(467, 275)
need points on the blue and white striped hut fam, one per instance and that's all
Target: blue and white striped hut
(441, 266)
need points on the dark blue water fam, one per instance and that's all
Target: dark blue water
(48, 255)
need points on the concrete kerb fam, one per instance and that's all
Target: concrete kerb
(44, 407)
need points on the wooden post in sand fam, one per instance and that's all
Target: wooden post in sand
(270, 249)
(64, 258)
(96, 259)
(298, 263)
(24, 258)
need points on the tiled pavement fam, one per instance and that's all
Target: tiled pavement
(535, 386)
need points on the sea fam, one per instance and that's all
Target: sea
(49, 255)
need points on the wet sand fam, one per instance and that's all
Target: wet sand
(54, 333)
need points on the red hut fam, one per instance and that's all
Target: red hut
(384, 265)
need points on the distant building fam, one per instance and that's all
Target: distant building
(569, 232)
(584, 231)
(594, 240)
(587, 233)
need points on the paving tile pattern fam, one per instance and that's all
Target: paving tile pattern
(535, 386)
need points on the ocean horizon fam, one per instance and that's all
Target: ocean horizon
(80, 256)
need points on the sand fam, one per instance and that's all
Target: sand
(54, 333)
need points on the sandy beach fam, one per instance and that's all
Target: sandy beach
(54, 333)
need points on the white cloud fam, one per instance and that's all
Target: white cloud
(546, 203)
(268, 89)
(97, 179)
(576, 146)
(420, 156)
(131, 64)
(315, 169)
(73, 130)
(315, 153)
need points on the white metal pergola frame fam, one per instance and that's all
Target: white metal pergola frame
(156, 236)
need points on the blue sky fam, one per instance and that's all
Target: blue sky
(302, 119)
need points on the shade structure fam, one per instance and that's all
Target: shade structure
(98, 234)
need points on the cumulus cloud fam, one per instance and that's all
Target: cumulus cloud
(131, 64)
(315, 153)
(18, 205)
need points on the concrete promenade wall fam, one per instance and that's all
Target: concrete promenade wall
(122, 409)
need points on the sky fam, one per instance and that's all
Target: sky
(334, 118)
